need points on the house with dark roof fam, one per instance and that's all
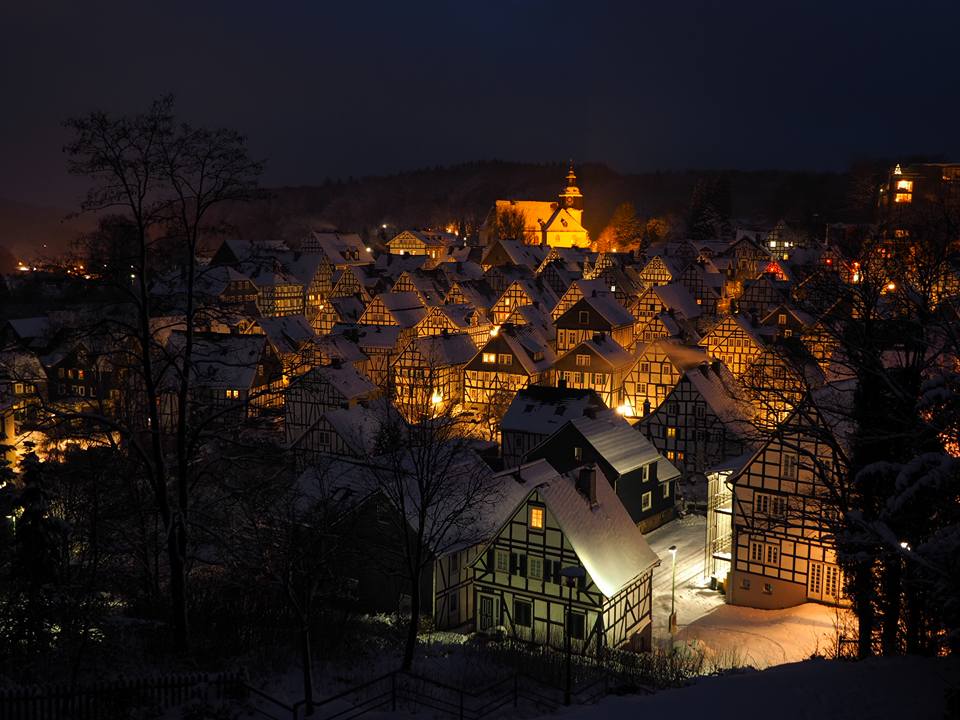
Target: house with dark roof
(641, 477)
(537, 412)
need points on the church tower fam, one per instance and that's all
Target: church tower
(571, 197)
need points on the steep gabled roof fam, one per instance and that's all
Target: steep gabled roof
(623, 447)
(608, 543)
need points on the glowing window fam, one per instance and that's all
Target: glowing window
(536, 517)
(671, 432)
(905, 185)
(903, 197)
(490, 358)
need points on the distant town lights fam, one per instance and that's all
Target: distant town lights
(625, 408)
(494, 331)
(436, 398)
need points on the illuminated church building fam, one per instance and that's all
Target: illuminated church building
(557, 224)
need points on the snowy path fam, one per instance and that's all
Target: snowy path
(693, 599)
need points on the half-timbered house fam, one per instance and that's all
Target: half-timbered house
(600, 364)
(658, 369)
(576, 521)
(511, 359)
(735, 341)
(327, 387)
(659, 271)
(704, 420)
(594, 315)
(428, 375)
(782, 553)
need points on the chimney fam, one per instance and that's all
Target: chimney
(646, 408)
(587, 484)
(715, 366)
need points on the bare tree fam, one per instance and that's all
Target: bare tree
(161, 179)
(437, 485)
(512, 225)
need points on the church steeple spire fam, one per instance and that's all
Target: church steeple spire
(571, 197)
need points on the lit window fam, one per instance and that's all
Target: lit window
(666, 490)
(646, 501)
(781, 319)
(490, 358)
(80, 374)
(671, 432)
(903, 197)
(578, 453)
(905, 185)
(536, 517)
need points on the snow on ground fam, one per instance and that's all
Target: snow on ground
(693, 598)
(878, 689)
(739, 636)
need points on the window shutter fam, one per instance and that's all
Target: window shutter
(491, 561)
(523, 566)
(653, 471)
(513, 563)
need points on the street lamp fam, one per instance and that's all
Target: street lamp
(673, 592)
(570, 576)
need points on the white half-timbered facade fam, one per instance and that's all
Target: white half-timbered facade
(572, 520)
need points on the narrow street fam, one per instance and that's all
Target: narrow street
(693, 598)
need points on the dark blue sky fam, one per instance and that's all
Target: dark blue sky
(352, 88)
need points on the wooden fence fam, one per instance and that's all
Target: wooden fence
(116, 699)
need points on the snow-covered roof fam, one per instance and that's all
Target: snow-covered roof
(676, 297)
(287, 334)
(608, 543)
(623, 447)
(541, 410)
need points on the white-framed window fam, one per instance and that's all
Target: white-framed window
(489, 358)
(583, 360)
(761, 503)
(577, 453)
(646, 501)
(598, 378)
(665, 489)
(503, 561)
(671, 432)
(772, 554)
(584, 317)
(535, 566)
(756, 551)
(505, 359)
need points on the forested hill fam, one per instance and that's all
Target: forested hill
(439, 196)
(463, 193)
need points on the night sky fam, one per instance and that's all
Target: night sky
(354, 88)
